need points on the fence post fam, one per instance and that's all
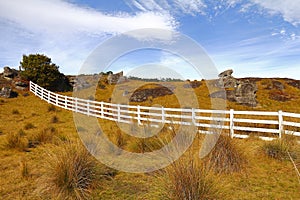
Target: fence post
(30, 85)
(193, 116)
(139, 115)
(66, 102)
(76, 104)
(56, 99)
(42, 94)
(119, 112)
(280, 123)
(231, 125)
(48, 96)
(163, 116)
(35, 90)
(88, 107)
(102, 109)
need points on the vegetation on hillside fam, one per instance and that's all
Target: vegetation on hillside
(42, 156)
(40, 69)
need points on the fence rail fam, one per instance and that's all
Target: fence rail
(269, 125)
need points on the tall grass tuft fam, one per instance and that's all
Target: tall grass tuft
(15, 112)
(186, 178)
(43, 137)
(54, 119)
(29, 126)
(280, 149)
(225, 157)
(16, 141)
(70, 172)
(24, 170)
(51, 108)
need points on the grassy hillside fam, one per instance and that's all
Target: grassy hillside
(34, 135)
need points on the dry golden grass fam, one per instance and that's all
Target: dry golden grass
(188, 178)
(264, 177)
(70, 173)
(226, 156)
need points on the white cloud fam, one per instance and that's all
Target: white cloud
(289, 9)
(58, 16)
(190, 7)
(64, 31)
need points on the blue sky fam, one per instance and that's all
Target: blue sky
(255, 38)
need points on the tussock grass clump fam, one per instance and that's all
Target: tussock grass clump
(15, 112)
(43, 137)
(54, 119)
(16, 141)
(24, 170)
(29, 126)
(277, 149)
(119, 139)
(186, 178)
(70, 172)
(51, 108)
(225, 157)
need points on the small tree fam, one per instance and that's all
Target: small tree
(39, 69)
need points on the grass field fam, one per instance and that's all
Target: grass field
(34, 134)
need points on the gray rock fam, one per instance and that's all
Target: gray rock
(141, 95)
(116, 78)
(7, 92)
(240, 91)
(21, 85)
(226, 73)
(9, 73)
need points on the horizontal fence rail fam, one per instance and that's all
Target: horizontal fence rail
(268, 125)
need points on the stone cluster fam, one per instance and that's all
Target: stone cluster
(240, 91)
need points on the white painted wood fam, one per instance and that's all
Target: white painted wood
(120, 113)
(231, 123)
(280, 125)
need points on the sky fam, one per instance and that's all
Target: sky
(255, 38)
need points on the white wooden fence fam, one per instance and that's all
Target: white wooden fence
(238, 123)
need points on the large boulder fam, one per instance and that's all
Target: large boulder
(9, 73)
(240, 91)
(293, 83)
(7, 92)
(142, 94)
(192, 84)
(226, 73)
(21, 85)
(116, 78)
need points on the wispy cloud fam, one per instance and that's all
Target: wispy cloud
(259, 56)
(63, 30)
(289, 9)
(190, 7)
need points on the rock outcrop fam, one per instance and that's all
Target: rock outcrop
(141, 95)
(113, 79)
(7, 92)
(10, 73)
(240, 91)
(192, 84)
(293, 83)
